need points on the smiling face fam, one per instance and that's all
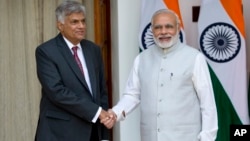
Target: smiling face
(73, 28)
(165, 29)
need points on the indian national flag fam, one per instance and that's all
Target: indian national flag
(148, 7)
(222, 40)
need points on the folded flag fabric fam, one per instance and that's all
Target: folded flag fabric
(222, 41)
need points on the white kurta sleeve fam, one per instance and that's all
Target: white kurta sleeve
(131, 95)
(203, 86)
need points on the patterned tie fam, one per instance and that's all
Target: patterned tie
(77, 58)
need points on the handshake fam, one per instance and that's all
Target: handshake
(108, 118)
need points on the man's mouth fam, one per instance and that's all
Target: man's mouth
(165, 38)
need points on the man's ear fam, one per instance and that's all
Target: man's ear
(59, 26)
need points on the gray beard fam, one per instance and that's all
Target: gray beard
(167, 45)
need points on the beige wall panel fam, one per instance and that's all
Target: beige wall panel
(24, 25)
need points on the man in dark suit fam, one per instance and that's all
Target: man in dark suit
(74, 94)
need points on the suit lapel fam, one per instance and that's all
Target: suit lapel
(90, 65)
(70, 59)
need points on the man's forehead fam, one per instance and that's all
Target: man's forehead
(164, 22)
(163, 19)
(76, 16)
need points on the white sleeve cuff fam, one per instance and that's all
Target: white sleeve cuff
(97, 115)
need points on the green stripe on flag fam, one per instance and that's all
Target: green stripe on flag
(225, 110)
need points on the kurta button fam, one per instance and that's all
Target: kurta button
(158, 114)
(161, 85)
(158, 129)
(162, 69)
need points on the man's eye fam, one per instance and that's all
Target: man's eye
(74, 22)
(169, 26)
(158, 27)
(83, 22)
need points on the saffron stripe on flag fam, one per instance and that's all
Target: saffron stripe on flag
(174, 5)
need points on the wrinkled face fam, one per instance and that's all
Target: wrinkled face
(165, 30)
(73, 28)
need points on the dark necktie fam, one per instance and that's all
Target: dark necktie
(77, 58)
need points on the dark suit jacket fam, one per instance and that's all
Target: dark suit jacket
(67, 106)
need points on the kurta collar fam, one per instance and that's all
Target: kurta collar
(169, 50)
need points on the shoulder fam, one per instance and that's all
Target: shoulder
(53, 42)
(149, 51)
(196, 53)
(91, 49)
(189, 49)
(89, 43)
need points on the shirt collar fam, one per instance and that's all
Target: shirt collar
(168, 50)
(70, 45)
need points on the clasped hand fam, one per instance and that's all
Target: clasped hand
(108, 118)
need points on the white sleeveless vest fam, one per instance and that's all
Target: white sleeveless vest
(169, 105)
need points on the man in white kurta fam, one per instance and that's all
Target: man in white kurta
(171, 81)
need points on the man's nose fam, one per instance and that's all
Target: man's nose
(164, 30)
(81, 25)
